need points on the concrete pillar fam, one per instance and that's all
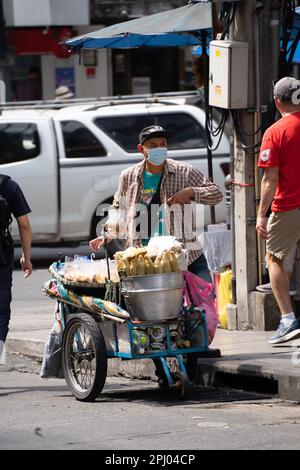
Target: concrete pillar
(245, 233)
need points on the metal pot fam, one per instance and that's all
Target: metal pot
(155, 297)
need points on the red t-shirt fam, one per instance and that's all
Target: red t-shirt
(281, 149)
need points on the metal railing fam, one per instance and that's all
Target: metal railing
(99, 101)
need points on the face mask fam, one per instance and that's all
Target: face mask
(157, 156)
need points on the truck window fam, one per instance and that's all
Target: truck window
(186, 131)
(124, 130)
(18, 142)
(80, 142)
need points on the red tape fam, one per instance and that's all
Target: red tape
(242, 185)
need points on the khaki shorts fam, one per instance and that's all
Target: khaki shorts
(291, 258)
(284, 235)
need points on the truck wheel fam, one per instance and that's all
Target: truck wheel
(84, 357)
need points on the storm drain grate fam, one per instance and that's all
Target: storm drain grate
(248, 383)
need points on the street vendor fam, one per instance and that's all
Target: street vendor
(169, 186)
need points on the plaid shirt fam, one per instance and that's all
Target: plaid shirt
(176, 176)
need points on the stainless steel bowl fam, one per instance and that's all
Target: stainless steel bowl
(156, 297)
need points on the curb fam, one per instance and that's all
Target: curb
(252, 377)
(221, 372)
(134, 369)
(27, 347)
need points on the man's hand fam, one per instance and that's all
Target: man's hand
(261, 227)
(182, 197)
(98, 243)
(26, 266)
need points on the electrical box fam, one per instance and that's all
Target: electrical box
(228, 74)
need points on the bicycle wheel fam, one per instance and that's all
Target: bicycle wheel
(84, 357)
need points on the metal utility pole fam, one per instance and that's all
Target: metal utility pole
(255, 23)
(245, 216)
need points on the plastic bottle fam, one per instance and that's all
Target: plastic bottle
(140, 341)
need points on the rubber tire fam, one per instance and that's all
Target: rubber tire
(100, 353)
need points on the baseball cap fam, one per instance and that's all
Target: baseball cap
(152, 131)
(284, 88)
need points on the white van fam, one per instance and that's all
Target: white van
(68, 160)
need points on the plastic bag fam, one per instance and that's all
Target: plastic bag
(201, 293)
(84, 269)
(217, 249)
(52, 360)
(224, 297)
(158, 245)
(182, 260)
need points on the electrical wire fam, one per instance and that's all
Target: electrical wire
(287, 52)
(250, 149)
(226, 16)
(213, 130)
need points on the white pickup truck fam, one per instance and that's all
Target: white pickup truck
(68, 160)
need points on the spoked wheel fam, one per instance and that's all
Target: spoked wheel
(84, 357)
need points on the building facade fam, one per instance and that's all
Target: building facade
(32, 32)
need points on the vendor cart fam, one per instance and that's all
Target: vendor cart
(96, 328)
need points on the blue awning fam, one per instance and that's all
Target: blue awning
(177, 27)
(296, 25)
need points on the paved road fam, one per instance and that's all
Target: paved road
(37, 414)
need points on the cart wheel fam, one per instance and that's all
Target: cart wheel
(182, 384)
(84, 357)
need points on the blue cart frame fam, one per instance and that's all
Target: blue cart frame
(179, 380)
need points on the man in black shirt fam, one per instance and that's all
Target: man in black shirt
(18, 207)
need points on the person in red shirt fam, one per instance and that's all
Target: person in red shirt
(280, 158)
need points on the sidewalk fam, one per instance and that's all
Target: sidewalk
(248, 361)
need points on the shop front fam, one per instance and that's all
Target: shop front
(36, 65)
